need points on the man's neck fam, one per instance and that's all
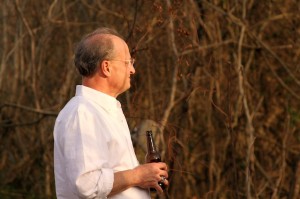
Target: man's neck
(99, 85)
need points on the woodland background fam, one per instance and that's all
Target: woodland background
(220, 79)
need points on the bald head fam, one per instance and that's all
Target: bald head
(93, 49)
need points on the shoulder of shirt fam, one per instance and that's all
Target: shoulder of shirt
(78, 105)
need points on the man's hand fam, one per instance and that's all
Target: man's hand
(148, 175)
(145, 176)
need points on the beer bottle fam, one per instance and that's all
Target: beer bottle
(153, 155)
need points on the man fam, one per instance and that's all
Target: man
(93, 151)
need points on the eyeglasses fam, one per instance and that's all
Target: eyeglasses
(129, 61)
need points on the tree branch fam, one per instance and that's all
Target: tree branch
(39, 111)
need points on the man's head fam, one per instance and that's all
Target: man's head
(103, 59)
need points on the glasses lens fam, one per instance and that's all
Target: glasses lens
(132, 60)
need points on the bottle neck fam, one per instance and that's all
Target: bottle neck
(150, 143)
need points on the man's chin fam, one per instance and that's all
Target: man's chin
(125, 89)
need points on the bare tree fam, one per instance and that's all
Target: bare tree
(218, 81)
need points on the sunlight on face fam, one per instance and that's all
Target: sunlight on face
(122, 69)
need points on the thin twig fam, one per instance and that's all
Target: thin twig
(172, 43)
(30, 109)
(282, 63)
(283, 84)
(201, 48)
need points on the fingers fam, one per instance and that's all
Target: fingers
(164, 181)
(158, 187)
(162, 165)
(162, 169)
(150, 174)
(161, 176)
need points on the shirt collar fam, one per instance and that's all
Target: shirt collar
(107, 102)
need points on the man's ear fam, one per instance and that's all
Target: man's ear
(105, 68)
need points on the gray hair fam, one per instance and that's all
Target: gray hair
(91, 51)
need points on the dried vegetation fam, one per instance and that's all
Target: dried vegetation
(221, 78)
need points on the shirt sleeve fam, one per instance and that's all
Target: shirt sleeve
(86, 155)
(95, 184)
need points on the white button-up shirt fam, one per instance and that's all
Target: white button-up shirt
(91, 142)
